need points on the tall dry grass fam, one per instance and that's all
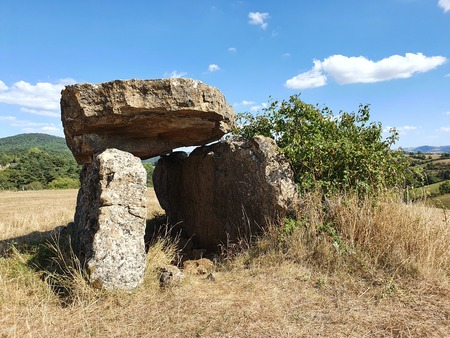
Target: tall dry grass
(401, 238)
(350, 234)
(326, 275)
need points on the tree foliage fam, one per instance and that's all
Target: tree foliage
(39, 161)
(149, 168)
(444, 188)
(35, 169)
(334, 153)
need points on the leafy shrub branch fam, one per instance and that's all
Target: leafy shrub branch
(335, 153)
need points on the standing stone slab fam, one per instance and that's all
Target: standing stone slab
(110, 220)
(144, 117)
(225, 191)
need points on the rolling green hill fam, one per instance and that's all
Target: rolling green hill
(36, 161)
(41, 161)
(429, 171)
(25, 141)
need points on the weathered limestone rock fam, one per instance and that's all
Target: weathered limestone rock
(227, 190)
(170, 275)
(143, 117)
(110, 220)
(201, 266)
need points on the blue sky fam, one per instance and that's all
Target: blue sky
(391, 54)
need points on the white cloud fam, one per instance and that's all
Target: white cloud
(7, 118)
(310, 79)
(243, 103)
(41, 96)
(346, 70)
(259, 19)
(3, 87)
(213, 68)
(27, 126)
(51, 129)
(404, 130)
(232, 50)
(44, 130)
(257, 108)
(361, 70)
(247, 103)
(40, 112)
(445, 4)
(175, 75)
(445, 129)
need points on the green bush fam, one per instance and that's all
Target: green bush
(149, 168)
(444, 188)
(339, 153)
(64, 183)
(33, 186)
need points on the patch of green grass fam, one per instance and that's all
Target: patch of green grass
(442, 201)
(428, 190)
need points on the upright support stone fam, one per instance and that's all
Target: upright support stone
(226, 191)
(110, 220)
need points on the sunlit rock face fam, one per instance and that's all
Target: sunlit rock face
(110, 220)
(143, 117)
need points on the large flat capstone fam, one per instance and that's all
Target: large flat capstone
(143, 117)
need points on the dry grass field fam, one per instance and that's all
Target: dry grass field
(25, 213)
(383, 270)
(22, 213)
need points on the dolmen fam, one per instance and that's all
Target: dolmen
(218, 194)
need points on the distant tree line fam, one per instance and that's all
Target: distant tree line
(36, 169)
